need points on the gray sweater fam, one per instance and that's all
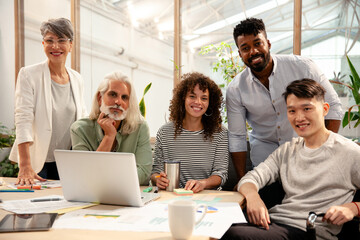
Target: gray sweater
(313, 180)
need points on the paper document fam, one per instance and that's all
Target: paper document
(26, 206)
(151, 218)
(44, 185)
(199, 199)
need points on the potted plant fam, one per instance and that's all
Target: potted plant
(227, 63)
(354, 86)
(7, 138)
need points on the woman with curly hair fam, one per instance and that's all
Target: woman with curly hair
(194, 136)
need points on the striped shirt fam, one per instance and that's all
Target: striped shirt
(199, 158)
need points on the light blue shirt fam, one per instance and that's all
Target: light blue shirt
(247, 99)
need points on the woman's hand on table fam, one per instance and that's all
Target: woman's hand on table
(195, 185)
(27, 176)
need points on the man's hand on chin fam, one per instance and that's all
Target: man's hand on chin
(107, 124)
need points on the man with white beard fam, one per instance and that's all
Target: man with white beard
(115, 124)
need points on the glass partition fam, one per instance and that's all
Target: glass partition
(137, 37)
(33, 17)
(117, 35)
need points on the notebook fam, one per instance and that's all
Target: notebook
(104, 177)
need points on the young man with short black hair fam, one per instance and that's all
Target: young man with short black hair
(319, 171)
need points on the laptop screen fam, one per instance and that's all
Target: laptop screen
(104, 177)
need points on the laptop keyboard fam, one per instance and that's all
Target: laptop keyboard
(148, 197)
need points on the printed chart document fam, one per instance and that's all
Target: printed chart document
(152, 218)
(26, 206)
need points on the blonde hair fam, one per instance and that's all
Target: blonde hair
(133, 117)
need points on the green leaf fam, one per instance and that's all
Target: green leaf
(355, 90)
(355, 80)
(357, 123)
(142, 107)
(354, 73)
(147, 88)
(8, 168)
(345, 120)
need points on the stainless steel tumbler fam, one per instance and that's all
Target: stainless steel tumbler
(172, 170)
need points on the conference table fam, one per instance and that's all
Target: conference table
(72, 234)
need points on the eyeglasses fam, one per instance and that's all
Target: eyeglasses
(60, 41)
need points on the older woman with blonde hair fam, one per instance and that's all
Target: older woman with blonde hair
(48, 99)
(194, 136)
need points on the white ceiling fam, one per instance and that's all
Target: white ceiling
(207, 22)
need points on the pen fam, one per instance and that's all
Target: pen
(156, 190)
(45, 199)
(16, 190)
(147, 189)
(157, 176)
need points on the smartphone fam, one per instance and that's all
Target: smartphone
(27, 222)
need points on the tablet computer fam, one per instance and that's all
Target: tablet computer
(27, 222)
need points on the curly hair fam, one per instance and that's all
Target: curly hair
(212, 122)
(249, 26)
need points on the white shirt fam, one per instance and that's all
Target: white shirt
(33, 110)
(247, 99)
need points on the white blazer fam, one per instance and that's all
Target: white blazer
(33, 110)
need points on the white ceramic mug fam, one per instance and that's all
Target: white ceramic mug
(182, 218)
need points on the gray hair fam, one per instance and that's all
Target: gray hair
(133, 116)
(61, 27)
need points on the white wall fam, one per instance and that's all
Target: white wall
(329, 53)
(7, 63)
(36, 12)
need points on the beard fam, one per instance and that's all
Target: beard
(259, 66)
(115, 115)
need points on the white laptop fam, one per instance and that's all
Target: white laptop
(104, 177)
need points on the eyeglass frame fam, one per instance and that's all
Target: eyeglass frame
(60, 41)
